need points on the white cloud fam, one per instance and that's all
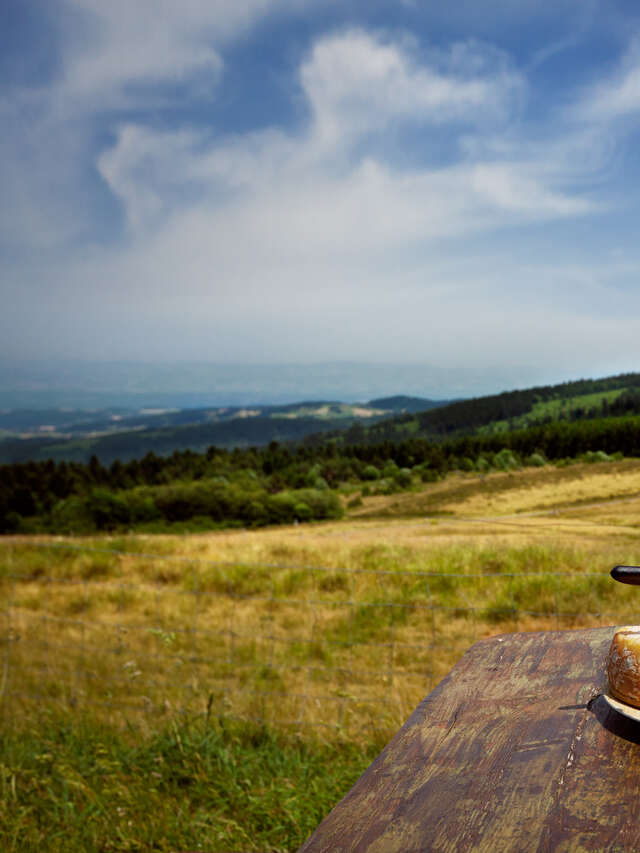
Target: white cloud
(121, 47)
(298, 189)
(618, 94)
(306, 239)
(356, 83)
(136, 45)
(144, 169)
(114, 55)
(518, 189)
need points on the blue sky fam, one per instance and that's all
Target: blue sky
(314, 180)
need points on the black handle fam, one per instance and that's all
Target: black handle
(626, 574)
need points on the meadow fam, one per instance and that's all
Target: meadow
(222, 690)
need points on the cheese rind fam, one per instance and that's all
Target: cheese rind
(623, 665)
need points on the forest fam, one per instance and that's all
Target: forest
(392, 419)
(279, 484)
(568, 401)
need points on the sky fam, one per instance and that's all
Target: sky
(299, 181)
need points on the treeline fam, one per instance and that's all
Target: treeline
(467, 416)
(130, 445)
(511, 409)
(220, 487)
(276, 484)
(558, 440)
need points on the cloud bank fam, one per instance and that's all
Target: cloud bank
(414, 196)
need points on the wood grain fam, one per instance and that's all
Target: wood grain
(512, 751)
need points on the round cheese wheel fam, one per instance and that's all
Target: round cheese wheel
(623, 665)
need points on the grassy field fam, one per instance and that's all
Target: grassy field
(265, 668)
(557, 409)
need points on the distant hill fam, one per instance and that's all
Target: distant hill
(401, 403)
(124, 435)
(113, 434)
(496, 413)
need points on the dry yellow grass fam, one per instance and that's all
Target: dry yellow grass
(341, 625)
(529, 490)
(585, 483)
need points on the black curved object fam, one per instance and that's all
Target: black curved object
(626, 574)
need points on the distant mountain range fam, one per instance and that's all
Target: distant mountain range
(124, 434)
(32, 434)
(583, 399)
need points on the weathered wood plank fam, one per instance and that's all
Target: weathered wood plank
(512, 751)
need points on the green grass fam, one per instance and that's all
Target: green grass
(557, 409)
(100, 745)
(72, 784)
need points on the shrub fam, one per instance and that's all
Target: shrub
(107, 510)
(482, 465)
(386, 487)
(536, 460)
(370, 473)
(72, 516)
(142, 508)
(597, 456)
(390, 469)
(323, 503)
(302, 505)
(312, 477)
(505, 460)
(403, 477)
(256, 513)
(281, 508)
(303, 512)
(179, 503)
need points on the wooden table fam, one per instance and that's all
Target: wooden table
(513, 751)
